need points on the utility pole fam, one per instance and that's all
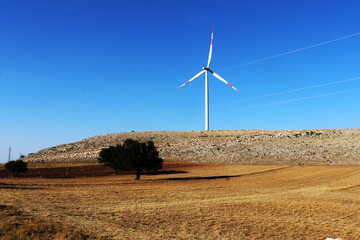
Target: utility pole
(9, 153)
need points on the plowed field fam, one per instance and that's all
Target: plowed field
(199, 202)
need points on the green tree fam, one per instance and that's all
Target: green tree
(16, 167)
(132, 156)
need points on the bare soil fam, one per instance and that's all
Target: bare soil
(68, 170)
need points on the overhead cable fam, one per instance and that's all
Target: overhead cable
(289, 91)
(262, 96)
(286, 53)
(291, 100)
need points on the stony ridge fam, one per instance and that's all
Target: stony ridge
(325, 146)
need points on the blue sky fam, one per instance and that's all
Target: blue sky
(75, 69)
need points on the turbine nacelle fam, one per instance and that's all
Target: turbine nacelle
(207, 69)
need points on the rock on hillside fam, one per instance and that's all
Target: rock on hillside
(327, 146)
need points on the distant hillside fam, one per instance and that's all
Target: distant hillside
(327, 146)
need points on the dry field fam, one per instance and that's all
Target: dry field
(199, 202)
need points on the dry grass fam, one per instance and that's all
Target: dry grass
(207, 202)
(15, 225)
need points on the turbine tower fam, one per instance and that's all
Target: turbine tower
(206, 70)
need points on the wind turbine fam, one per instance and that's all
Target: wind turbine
(206, 70)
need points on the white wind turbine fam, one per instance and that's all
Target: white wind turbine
(206, 70)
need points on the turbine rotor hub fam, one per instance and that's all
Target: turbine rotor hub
(208, 69)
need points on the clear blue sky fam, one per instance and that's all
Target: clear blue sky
(75, 69)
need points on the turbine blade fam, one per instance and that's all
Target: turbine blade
(196, 76)
(210, 52)
(221, 79)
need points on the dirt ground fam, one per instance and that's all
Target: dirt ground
(74, 170)
(194, 201)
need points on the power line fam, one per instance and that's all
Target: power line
(289, 91)
(286, 53)
(291, 100)
(247, 99)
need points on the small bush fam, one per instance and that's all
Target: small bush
(16, 167)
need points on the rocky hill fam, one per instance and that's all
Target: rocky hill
(327, 146)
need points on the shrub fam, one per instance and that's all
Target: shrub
(16, 167)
